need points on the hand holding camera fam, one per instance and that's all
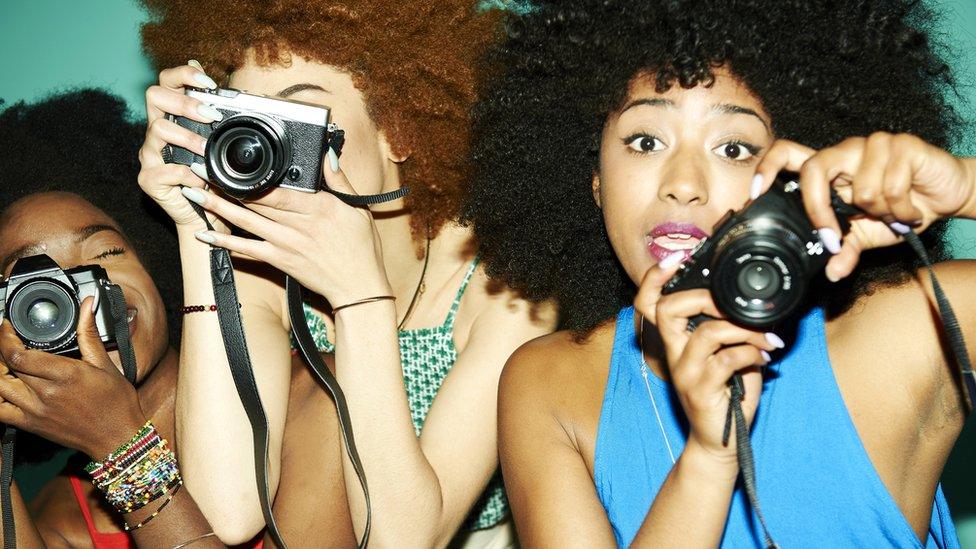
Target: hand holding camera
(163, 181)
(897, 179)
(85, 403)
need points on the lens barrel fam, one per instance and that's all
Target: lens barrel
(44, 313)
(247, 154)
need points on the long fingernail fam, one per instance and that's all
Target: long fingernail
(775, 340)
(94, 304)
(205, 80)
(671, 260)
(766, 356)
(196, 64)
(204, 236)
(756, 188)
(193, 195)
(900, 228)
(830, 239)
(199, 170)
(209, 112)
(333, 160)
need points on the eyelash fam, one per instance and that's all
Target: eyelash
(111, 251)
(630, 139)
(753, 150)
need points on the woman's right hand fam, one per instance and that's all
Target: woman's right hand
(702, 362)
(163, 181)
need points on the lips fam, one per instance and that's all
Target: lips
(668, 238)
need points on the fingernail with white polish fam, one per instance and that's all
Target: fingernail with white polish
(830, 239)
(208, 111)
(756, 188)
(204, 236)
(671, 260)
(199, 170)
(205, 80)
(766, 356)
(900, 228)
(775, 340)
(333, 160)
(94, 304)
(196, 64)
(193, 195)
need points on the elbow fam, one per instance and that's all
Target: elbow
(236, 530)
(235, 518)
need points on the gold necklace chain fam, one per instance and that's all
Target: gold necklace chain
(421, 287)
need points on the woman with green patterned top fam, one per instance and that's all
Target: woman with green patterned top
(420, 373)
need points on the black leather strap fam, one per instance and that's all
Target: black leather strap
(312, 357)
(6, 477)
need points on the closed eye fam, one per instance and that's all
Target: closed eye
(112, 251)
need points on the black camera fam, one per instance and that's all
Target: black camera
(262, 142)
(43, 303)
(759, 262)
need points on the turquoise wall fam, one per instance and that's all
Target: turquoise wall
(51, 45)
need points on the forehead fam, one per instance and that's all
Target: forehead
(726, 88)
(46, 217)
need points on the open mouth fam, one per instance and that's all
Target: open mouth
(668, 238)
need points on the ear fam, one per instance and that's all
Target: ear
(596, 190)
(394, 154)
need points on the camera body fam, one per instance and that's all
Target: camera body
(759, 262)
(261, 142)
(43, 303)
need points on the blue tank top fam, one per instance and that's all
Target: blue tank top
(816, 484)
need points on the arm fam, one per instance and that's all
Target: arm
(422, 489)
(215, 436)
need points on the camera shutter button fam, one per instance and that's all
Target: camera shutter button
(294, 173)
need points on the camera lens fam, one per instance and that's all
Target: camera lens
(247, 154)
(759, 280)
(44, 314)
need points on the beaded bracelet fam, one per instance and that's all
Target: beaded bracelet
(197, 309)
(145, 521)
(138, 472)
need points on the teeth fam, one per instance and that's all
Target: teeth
(130, 314)
(669, 243)
(679, 236)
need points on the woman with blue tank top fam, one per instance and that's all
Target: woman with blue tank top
(616, 137)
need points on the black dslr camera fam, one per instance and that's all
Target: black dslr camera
(43, 303)
(262, 142)
(758, 262)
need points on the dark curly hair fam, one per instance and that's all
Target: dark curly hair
(84, 142)
(413, 61)
(824, 70)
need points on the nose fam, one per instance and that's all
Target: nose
(683, 180)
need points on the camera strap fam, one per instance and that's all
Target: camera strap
(8, 442)
(242, 371)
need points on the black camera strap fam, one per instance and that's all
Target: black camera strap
(8, 443)
(242, 371)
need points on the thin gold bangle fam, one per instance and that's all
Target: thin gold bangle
(194, 540)
(363, 302)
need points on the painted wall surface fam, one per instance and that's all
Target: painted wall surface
(53, 45)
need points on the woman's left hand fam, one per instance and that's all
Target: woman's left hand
(898, 180)
(330, 247)
(83, 404)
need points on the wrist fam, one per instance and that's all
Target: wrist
(115, 434)
(703, 463)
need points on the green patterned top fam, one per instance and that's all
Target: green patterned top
(427, 355)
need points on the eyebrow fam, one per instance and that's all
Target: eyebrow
(667, 103)
(292, 90)
(726, 108)
(36, 248)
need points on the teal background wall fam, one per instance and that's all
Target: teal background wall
(51, 45)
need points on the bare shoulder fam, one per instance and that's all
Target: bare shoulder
(561, 373)
(57, 516)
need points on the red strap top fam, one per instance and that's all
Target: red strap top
(120, 540)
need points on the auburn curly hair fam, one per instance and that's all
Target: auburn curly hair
(824, 70)
(414, 62)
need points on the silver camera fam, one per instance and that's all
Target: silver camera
(262, 142)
